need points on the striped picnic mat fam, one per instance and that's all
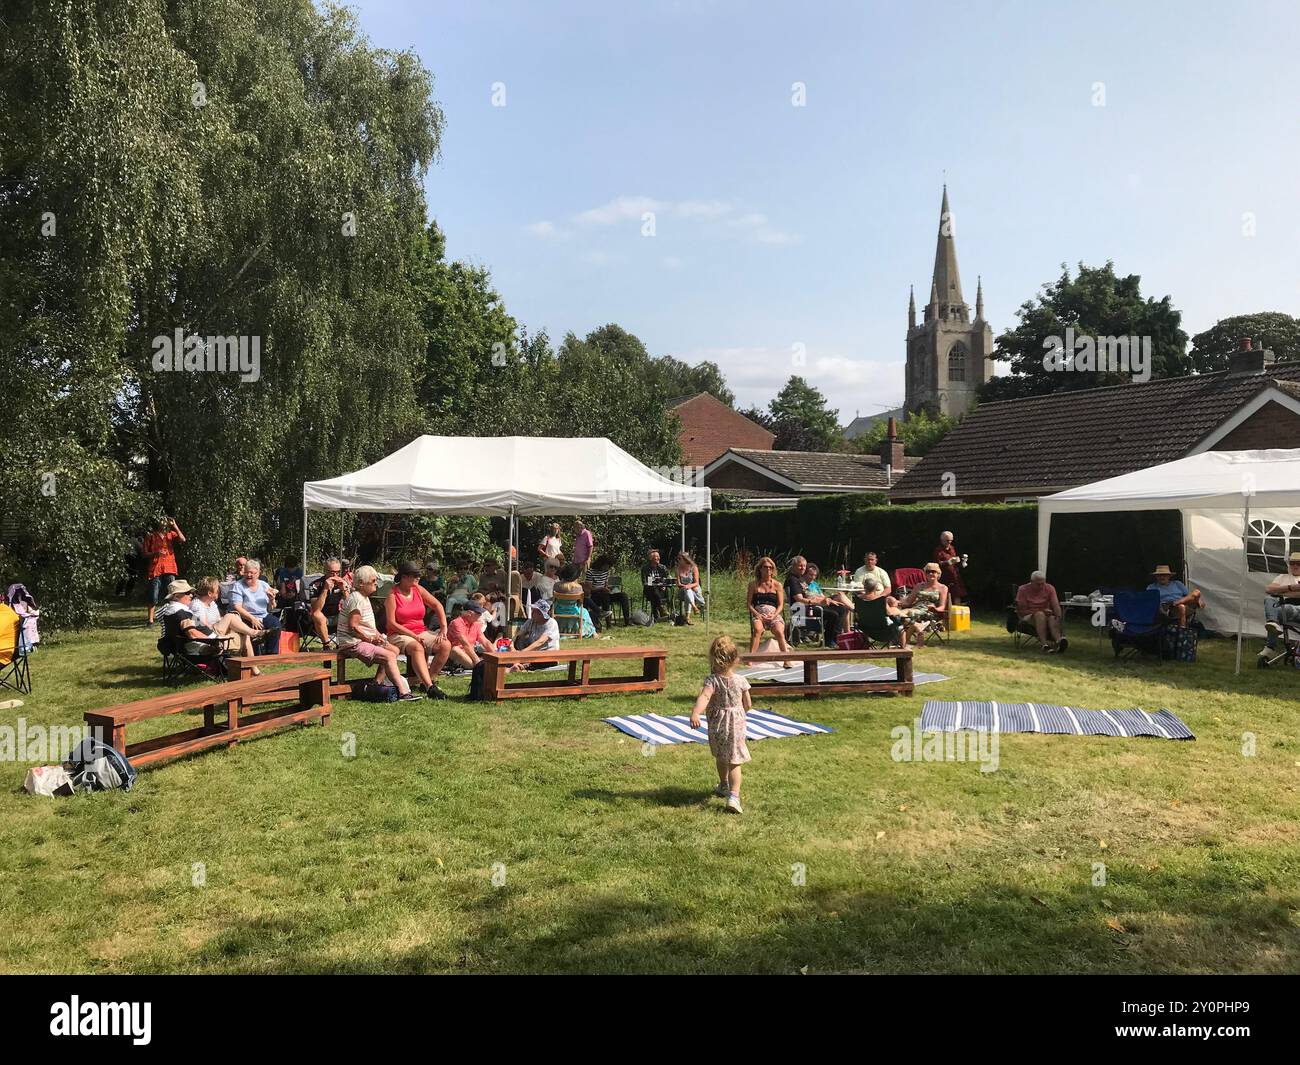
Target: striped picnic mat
(941, 715)
(759, 725)
(831, 671)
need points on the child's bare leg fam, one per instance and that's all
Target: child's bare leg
(723, 767)
(733, 780)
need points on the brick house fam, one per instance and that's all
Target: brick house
(779, 478)
(710, 427)
(1025, 448)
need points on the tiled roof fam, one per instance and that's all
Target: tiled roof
(822, 469)
(1049, 443)
(864, 422)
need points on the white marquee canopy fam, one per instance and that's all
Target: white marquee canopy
(508, 476)
(1224, 497)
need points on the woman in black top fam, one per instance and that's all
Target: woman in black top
(765, 600)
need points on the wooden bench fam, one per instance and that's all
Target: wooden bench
(240, 667)
(812, 686)
(309, 688)
(495, 664)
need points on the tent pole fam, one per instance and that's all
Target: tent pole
(1245, 570)
(683, 532)
(708, 567)
(304, 540)
(510, 565)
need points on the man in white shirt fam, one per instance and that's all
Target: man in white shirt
(535, 585)
(1286, 606)
(872, 570)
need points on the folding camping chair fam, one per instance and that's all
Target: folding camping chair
(937, 630)
(806, 623)
(1022, 632)
(1137, 624)
(873, 623)
(1289, 653)
(180, 663)
(15, 671)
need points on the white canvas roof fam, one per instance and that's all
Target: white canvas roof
(495, 474)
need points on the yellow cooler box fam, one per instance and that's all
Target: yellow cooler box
(959, 619)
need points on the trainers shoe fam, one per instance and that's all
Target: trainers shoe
(1062, 644)
(733, 805)
(721, 791)
(1273, 626)
(410, 697)
(434, 692)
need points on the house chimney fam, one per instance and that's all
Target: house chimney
(1248, 358)
(891, 453)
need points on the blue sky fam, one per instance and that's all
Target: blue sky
(779, 226)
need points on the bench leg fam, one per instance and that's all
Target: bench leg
(316, 693)
(233, 707)
(905, 669)
(586, 676)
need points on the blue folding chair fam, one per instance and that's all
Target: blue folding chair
(1140, 625)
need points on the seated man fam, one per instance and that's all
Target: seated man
(467, 636)
(797, 596)
(540, 632)
(895, 619)
(1282, 604)
(654, 582)
(327, 594)
(871, 568)
(254, 600)
(1037, 603)
(1176, 602)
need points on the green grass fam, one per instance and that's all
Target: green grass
(615, 861)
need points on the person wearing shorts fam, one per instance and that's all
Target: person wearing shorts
(160, 561)
(358, 637)
(426, 649)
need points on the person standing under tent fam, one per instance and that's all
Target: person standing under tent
(583, 545)
(551, 544)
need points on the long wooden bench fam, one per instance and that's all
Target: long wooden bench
(495, 665)
(812, 685)
(240, 667)
(309, 688)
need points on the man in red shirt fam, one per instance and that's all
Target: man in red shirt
(1037, 603)
(160, 560)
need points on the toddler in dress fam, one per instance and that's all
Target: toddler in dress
(724, 699)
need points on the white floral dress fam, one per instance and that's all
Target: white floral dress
(726, 717)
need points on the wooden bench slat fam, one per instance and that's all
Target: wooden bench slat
(575, 655)
(208, 695)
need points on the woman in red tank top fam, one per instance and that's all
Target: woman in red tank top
(426, 649)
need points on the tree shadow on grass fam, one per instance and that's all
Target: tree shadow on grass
(1206, 923)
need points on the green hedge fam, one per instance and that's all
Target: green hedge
(1087, 550)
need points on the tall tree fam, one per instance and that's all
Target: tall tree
(801, 419)
(1275, 330)
(1094, 303)
(918, 432)
(674, 378)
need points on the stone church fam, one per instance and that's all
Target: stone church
(948, 354)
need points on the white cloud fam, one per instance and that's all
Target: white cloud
(546, 230)
(622, 209)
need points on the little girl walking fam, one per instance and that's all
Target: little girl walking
(725, 699)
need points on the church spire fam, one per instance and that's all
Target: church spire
(947, 280)
(911, 307)
(979, 299)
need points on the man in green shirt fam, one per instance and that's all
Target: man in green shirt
(872, 570)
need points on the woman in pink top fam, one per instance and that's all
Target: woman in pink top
(426, 650)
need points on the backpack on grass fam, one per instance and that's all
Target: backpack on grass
(93, 765)
(373, 691)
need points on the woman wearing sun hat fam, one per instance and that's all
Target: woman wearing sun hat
(1177, 601)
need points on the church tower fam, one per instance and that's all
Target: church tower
(948, 354)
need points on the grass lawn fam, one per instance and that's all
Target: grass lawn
(615, 861)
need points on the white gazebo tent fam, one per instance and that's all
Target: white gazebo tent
(509, 476)
(1231, 502)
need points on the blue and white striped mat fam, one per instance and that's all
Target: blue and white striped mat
(940, 715)
(831, 671)
(759, 725)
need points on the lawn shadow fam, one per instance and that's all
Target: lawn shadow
(665, 796)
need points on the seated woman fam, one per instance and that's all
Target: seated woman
(925, 600)
(463, 585)
(431, 582)
(426, 649)
(598, 591)
(540, 632)
(205, 611)
(358, 637)
(839, 598)
(568, 584)
(254, 601)
(895, 620)
(688, 584)
(180, 627)
(766, 600)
